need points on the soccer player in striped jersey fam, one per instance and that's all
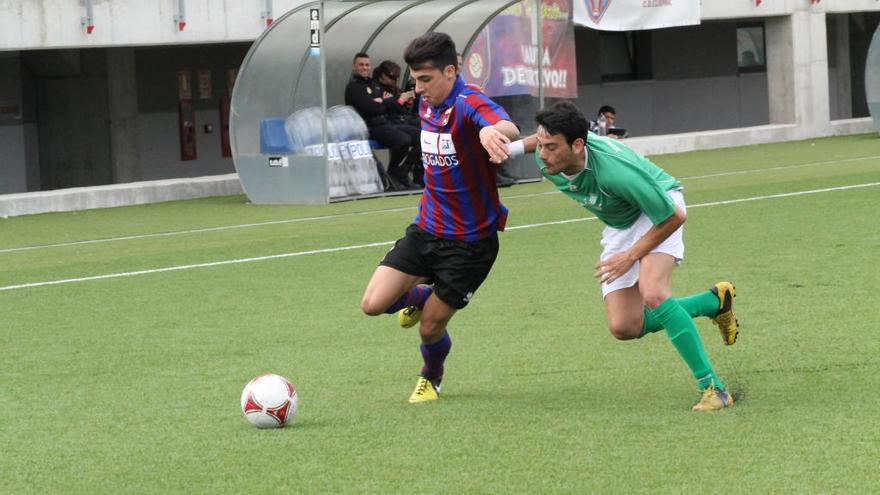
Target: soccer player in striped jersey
(447, 252)
(643, 209)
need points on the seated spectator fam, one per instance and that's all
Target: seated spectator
(369, 101)
(399, 105)
(401, 110)
(604, 123)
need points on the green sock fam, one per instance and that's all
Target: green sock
(702, 304)
(682, 333)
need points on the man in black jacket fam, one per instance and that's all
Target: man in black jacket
(368, 100)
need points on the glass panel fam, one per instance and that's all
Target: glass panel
(349, 34)
(391, 41)
(269, 167)
(615, 59)
(872, 79)
(750, 48)
(276, 124)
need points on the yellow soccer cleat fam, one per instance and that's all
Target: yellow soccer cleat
(409, 316)
(726, 318)
(425, 391)
(713, 400)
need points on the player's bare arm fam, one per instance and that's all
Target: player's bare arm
(528, 144)
(496, 137)
(616, 265)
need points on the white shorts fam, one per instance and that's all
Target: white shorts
(617, 240)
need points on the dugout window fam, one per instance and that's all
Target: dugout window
(625, 56)
(750, 47)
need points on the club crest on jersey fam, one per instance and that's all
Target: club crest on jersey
(593, 201)
(596, 9)
(446, 115)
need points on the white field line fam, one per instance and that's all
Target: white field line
(206, 229)
(388, 243)
(715, 203)
(783, 167)
(388, 210)
(198, 265)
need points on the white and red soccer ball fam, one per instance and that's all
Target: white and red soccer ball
(269, 401)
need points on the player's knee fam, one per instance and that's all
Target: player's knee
(430, 329)
(624, 330)
(370, 307)
(654, 297)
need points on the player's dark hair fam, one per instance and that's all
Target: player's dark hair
(431, 51)
(563, 118)
(606, 108)
(359, 55)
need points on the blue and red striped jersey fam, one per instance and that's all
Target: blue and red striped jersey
(460, 200)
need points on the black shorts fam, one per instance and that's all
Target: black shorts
(456, 268)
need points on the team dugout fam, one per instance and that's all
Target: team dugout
(285, 73)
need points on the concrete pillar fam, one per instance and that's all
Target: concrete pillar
(122, 99)
(780, 69)
(814, 105)
(797, 71)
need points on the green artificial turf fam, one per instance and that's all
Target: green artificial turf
(131, 384)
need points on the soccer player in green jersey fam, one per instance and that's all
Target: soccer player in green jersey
(643, 209)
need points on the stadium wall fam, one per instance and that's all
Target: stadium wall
(42, 24)
(133, 193)
(810, 89)
(691, 67)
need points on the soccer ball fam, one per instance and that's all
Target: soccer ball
(269, 401)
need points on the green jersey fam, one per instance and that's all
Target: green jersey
(617, 184)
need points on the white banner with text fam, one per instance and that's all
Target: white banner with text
(634, 15)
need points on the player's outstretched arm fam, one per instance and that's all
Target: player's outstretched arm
(525, 145)
(496, 137)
